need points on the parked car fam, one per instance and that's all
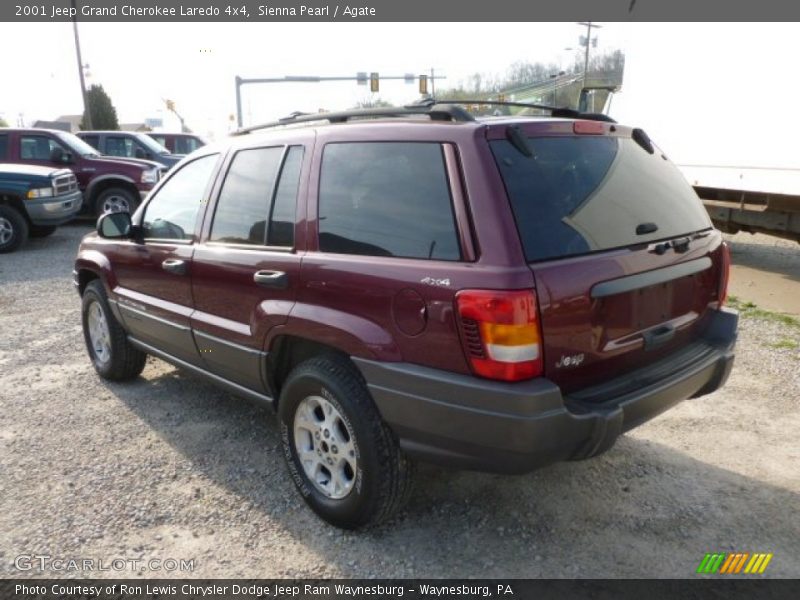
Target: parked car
(129, 144)
(34, 201)
(485, 294)
(179, 143)
(107, 184)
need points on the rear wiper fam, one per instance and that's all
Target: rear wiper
(680, 245)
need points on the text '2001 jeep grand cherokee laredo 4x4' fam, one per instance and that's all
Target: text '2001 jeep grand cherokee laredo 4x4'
(488, 294)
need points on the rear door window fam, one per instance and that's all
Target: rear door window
(3, 146)
(386, 199)
(92, 140)
(243, 205)
(284, 207)
(186, 145)
(38, 147)
(119, 146)
(250, 198)
(580, 194)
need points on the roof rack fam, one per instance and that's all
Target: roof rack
(555, 111)
(436, 112)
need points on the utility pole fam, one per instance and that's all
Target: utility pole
(87, 117)
(433, 85)
(589, 26)
(554, 77)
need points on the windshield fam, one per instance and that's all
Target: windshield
(151, 144)
(77, 145)
(580, 194)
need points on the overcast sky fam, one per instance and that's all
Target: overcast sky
(696, 88)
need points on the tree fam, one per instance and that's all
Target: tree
(370, 102)
(480, 86)
(103, 113)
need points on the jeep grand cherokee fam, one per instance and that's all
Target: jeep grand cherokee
(417, 284)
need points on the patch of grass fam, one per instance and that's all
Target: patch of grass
(786, 344)
(750, 310)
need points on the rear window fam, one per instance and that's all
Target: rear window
(186, 145)
(582, 194)
(92, 140)
(386, 199)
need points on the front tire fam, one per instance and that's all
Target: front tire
(113, 357)
(115, 199)
(343, 458)
(13, 229)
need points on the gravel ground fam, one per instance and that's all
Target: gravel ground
(170, 467)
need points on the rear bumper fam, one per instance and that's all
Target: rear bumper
(54, 211)
(466, 422)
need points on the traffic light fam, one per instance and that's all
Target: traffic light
(374, 83)
(423, 85)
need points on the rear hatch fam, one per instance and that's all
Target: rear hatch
(624, 256)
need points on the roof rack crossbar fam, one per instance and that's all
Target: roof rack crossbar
(436, 112)
(555, 111)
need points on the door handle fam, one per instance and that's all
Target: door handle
(271, 279)
(174, 265)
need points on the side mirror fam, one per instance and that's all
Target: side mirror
(67, 158)
(115, 226)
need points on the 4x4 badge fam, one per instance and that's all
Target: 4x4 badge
(435, 281)
(570, 361)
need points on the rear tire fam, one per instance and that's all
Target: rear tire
(115, 199)
(40, 231)
(13, 229)
(112, 355)
(344, 460)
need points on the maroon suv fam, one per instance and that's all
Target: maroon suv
(108, 183)
(488, 294)
(179, 143)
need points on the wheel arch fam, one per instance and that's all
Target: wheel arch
(287, 351)
(15, 202)
(91, 265)
(100, 184)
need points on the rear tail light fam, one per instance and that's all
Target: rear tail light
(725, 272)
(501, 333)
